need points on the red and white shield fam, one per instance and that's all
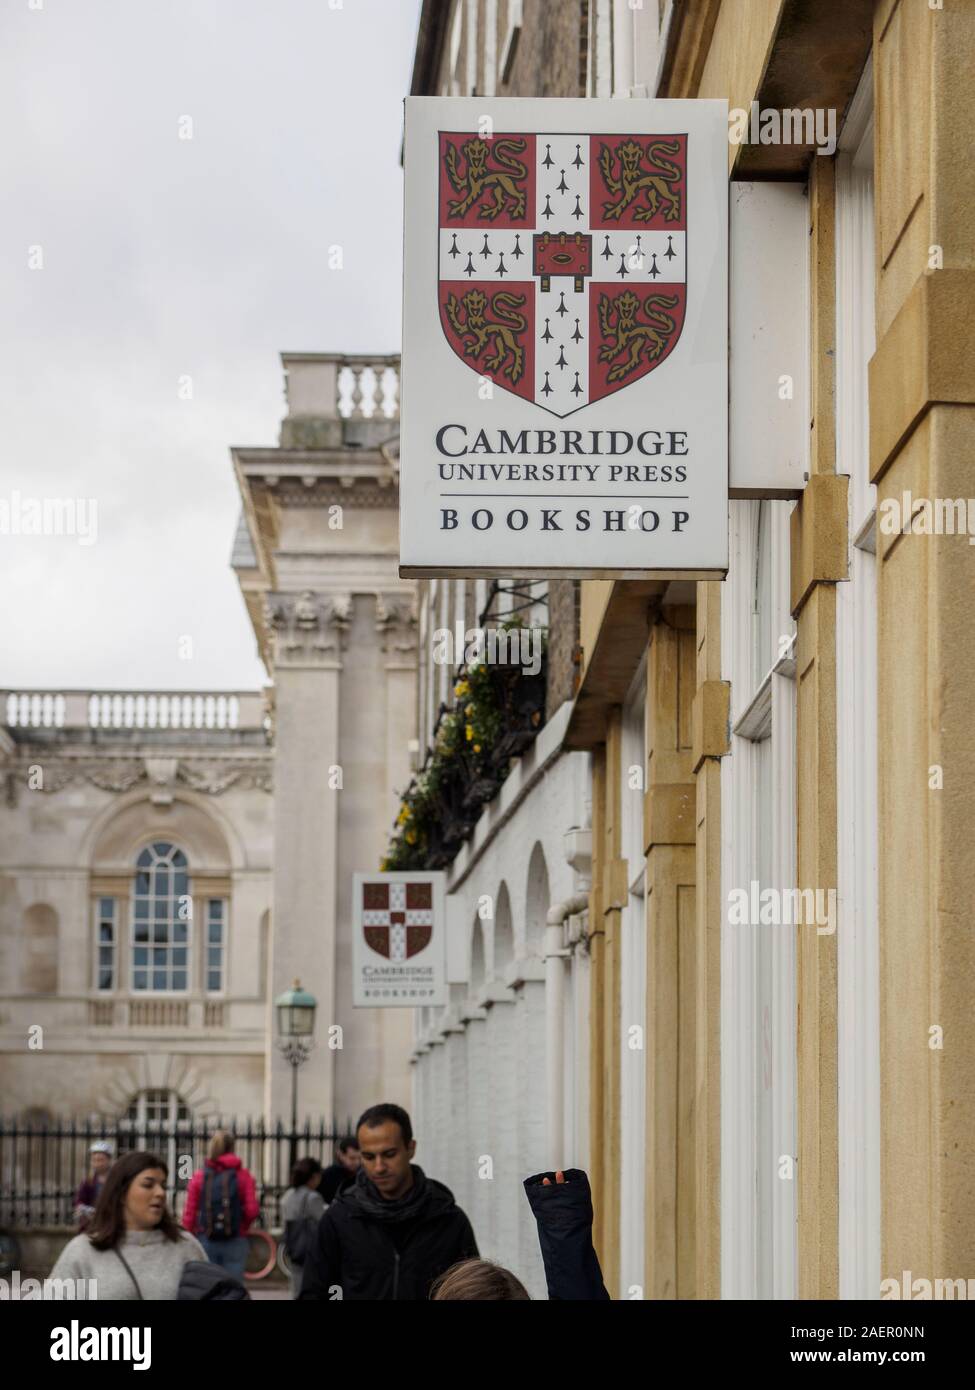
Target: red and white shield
(562, 259)
(397, 918)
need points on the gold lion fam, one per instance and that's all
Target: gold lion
(475, 329)
(477, 177)
(633, 180)
(635, 339)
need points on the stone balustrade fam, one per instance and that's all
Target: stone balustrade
(132, 709)
(331, 385)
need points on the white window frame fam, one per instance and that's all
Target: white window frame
(758, 989)
(103, 919)
(857, 940)
(221, 945)
(509, 45)
(453, 75)
(489, 66)
(599, 57)
(470, 48)
(636, 48)
(633, 988)
(150, 992)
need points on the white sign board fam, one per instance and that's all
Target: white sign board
(399, 940)
(769, 299)
(565, 343)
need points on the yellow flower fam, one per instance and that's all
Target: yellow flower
(477, 748)
(461, 688)
(411, 837)
(469, 732)
(468, 710)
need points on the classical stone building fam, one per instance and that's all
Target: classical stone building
(317, 559)
(170, 862)
(135, 862)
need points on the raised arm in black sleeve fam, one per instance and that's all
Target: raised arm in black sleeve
(563, 1213)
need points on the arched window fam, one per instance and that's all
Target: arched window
(158, 1121)
(504, 936)
(161, 920)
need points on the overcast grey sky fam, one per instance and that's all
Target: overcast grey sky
(166, 257)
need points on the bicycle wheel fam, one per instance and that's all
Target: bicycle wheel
(283, 1262)
(261, 1255)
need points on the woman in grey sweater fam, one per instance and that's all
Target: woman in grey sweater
(301, 1211)
(133, 1247)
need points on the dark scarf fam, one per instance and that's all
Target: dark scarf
(368, 1198)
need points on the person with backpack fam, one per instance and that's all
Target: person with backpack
(221, 1205)
(132, 1249)
(301, 1212)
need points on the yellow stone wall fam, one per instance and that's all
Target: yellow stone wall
(922, 439)
(922, 406)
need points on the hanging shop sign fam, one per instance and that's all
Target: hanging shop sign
(565, 342)
(399, 940)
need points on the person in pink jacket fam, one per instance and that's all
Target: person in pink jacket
(221, 1205)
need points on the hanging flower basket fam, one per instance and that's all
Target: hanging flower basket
(498, 713)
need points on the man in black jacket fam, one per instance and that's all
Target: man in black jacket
(340, 1174)
(394, 1231)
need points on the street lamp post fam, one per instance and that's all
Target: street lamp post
(296, 1024)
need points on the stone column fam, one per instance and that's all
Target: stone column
(457, 1173)
(477, 1123)
(672, 1042)
(503, 1067)
(308, 630)
(396, 623)
(531, 1138)
(922, 442)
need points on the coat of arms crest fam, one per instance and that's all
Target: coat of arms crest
(562, 259)
(397, 918)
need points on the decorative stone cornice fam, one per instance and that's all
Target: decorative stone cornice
(308, 629)
(216, 777)
(212, 776)
(396, 622)
(348, 491)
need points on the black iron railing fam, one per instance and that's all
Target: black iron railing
(43, 1164)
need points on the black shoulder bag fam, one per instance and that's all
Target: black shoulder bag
(128, 1270)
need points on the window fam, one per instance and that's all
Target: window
(161, 918)
(216, 944)
(107, 944)
(758, 831)
(158, 1121)
(633, 988)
